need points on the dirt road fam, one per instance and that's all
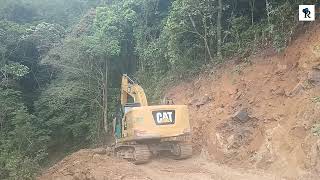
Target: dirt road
(197, 169)
(87, 165)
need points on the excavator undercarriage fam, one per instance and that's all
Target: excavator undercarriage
(140, 152)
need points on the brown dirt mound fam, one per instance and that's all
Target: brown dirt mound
(278, 91)
(88, 165)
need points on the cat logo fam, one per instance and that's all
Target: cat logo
(164, 117)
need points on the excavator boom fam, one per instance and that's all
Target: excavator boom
(133, 89)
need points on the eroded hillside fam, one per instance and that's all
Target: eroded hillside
(260, 113)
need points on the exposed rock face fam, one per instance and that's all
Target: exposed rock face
(241, 116)
(314, 77)
(275, 134)
(236, 134)
(206, 99)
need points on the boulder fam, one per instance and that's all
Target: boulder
(241, 116)
(317, 67)
(278, 91)
(100, 151)
(281, 68)
(219, 110)
(193, 101)
(314, 77)
(203, 101)
(296, 90)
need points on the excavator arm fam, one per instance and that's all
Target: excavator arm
(133, 89)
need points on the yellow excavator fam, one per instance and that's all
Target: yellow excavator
(142, 131)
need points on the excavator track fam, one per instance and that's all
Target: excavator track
(142, 154)
(138, 154)
(182, 151)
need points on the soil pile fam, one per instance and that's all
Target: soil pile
(92, 165)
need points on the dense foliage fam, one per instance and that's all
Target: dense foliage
(61, 62)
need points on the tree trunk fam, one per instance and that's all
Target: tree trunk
(219, 33)
(268, 11)
(205, 39)
(208, 49)
(252, 6)
(103, 129)
(105, 99)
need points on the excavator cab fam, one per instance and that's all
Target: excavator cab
(144, 130)
(129, 106)
(117, 127)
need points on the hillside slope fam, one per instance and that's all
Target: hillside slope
(252, 120)
(275, 96)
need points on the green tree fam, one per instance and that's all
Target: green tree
(22, 141)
